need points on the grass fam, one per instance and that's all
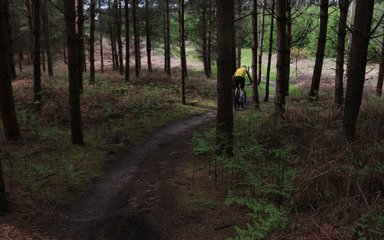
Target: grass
(45, 167)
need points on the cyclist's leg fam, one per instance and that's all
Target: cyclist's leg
(242, 85)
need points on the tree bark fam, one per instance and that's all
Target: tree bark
(339, 92)
(211, 20)
(261, 44)
(148, 30)
(36, 55)
(239, 34)
(101, 40)
(118, 35)
(266, 97)
(315, 85)
(30, 25)
(379, 87)
(282, 52)
(204, 33)
(183, 57)
(136, 39)
(127, 55)
(167, 41)
(80, 31)
(3, 198)
(92, 43)
(226, 65)
(43, 59)
(7, 107)
(47, 39)
(255, 90)
(357, 64)
(289, 40)
(74, 70)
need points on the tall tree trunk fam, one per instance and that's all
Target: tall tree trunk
(289, 40)
(255, 91)
(211, 22)
(36, 54)
(113, 47)
(21, 60)
(239, 34)
(148, 30)
(136, 39)
(357, 64)
(92, 43)
(75, 69)
(266, 97)
(65, 50)
(379, 87)
(183, 57)
(226, 65)
(30, 25)
(118, 35)
(203, 33)
(3, 198)
(7, 107)
(167, 42)
(261, 44)
(339, 92)
(47, 40)
(101, 40)
(315, 85)
(43, 59)
(127, 55)
(80, 31)
(282, 52)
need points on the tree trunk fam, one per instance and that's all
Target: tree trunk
(30, 25)
(239, 34)
(127, 55)
(167, 41)
(74, 70)
(92, 43)
(113, 48)
(3, 199)
(226, 65)
(281, 62)
(289, 40)
(47, 40)
(148, 30)
(261, 44)
(211, 21)
(339, 92)
(255, 91)
(269, 53)
(315, 85)
(80, 31)
(43, 59)
(204, 25)
(7, 107)
(379, 87)
(136, 39)
(65, 50)
(356, 64)
(183, 57)
(36, 54)
(118, 35)
(21, 60)
(101, 40)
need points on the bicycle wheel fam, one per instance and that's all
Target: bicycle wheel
(237, 100)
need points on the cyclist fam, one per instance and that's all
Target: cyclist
(239, 79)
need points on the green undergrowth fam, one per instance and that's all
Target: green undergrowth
(45, 167)
(284, 171)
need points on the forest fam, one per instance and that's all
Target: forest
(127, 119)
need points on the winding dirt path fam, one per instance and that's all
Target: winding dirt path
(138, 197)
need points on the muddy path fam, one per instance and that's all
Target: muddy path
(136, 198)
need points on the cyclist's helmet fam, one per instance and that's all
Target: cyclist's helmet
(245, 66)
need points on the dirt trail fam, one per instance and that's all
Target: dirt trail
(135, 199)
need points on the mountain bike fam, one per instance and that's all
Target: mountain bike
(239, 98)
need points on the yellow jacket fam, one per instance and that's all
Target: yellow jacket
(241, 72)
